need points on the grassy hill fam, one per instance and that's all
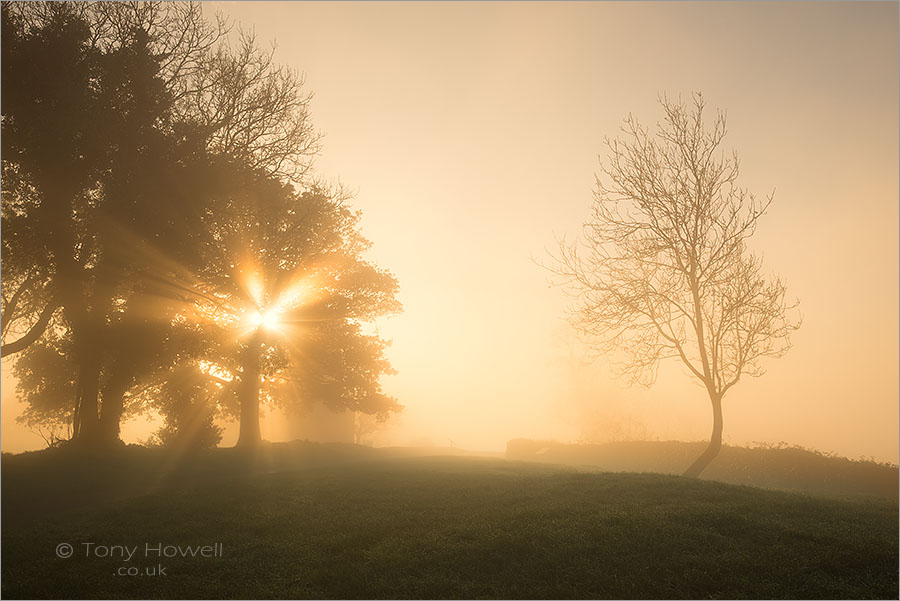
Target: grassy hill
(352, 523)
(779, 467)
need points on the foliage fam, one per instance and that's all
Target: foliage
(147, 160)
(47, 380)
(341, 368)
(267, 248)
(189, 416)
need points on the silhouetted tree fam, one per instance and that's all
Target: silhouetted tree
(87, 127)
(252, 109)
(132, 382)
(186, 401)
(80, 70)
(285, 280)
(28, 303)
(340, 367)
(47, 379)
(111, 114)
(664, 270)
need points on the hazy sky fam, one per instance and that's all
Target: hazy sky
(471, 133)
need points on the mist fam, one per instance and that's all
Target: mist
(458, 246)
(468, 161)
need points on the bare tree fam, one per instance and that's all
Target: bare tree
(253, 109)
(663, 270)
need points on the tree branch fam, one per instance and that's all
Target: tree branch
(34, 333)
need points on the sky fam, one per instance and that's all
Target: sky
(471, 132)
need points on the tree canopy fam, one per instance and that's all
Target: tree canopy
(157, 188)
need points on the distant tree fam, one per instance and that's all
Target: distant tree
(343, 369)
(664, 270)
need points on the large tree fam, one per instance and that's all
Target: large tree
(90, 147)
(108, 130)
(283, 276)
(664, 269)
(91, 80)
(148, 157)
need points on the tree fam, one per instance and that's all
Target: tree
(28, 303)
(252, 109)
(145, 160)
(284, 278)
(86, 126)
(664, 270)
(184, 401)
(47, 380)
(115, 109)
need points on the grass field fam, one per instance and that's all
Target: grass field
(435, 527)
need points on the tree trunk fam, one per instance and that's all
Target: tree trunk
(90, 336)
(715, 440)
(88, 403)
(248, 394)
(71, 297)
(111, 410)
(76, 412)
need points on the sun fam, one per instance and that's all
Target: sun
(273, 317)
(267, 320)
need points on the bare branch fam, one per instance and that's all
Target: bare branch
(663, 269)
(34, 333)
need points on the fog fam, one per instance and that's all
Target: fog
(470, 134)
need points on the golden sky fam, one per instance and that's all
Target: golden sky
(471, 133)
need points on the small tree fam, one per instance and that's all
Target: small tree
(664, 270)
(185, 402)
